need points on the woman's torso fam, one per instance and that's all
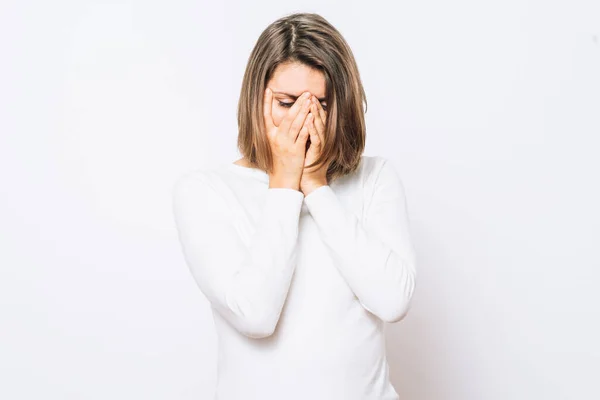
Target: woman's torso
(326, 345)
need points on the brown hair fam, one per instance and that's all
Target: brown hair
(310, 39)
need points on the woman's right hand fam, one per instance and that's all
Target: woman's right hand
(287, 142)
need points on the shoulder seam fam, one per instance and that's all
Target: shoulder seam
(377, 173)
(373, 178)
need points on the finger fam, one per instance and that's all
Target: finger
(318, 123)
(314, 150)
(315, 138)
(302, 138)
(267, 106)
(293, 112)
(298, 122)
(321, 111)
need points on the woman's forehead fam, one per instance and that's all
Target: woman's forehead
(291, 80)
(294, 96)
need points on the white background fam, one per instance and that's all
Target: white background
(489, 110)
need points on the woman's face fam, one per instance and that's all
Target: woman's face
(289, 81)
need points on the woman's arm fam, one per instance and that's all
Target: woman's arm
(246, 285)
(376, 257)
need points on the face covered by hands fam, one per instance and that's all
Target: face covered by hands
(288, 82)
(315, 177)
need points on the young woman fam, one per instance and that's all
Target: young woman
(302, 246)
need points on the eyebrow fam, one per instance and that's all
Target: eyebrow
(294, 97)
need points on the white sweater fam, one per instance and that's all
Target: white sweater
(300, 287)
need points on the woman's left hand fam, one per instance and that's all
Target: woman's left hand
(315, 177)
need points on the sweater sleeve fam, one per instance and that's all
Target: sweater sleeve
(247, 285)
(375, 256)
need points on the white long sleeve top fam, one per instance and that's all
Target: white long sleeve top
(300, 287)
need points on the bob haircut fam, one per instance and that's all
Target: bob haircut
(309, 39)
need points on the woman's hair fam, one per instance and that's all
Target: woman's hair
(309, 39)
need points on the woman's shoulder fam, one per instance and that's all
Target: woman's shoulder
(371, 164)
(202, 180)
(379, 171)
(216, 182)
(368, 169)
(194, 176)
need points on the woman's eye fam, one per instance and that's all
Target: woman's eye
(288, 105)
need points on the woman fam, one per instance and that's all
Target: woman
(302, 246)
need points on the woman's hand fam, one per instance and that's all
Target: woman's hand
(287, 142)
(315, 177)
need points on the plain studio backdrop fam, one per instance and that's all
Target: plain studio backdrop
(490, 111)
